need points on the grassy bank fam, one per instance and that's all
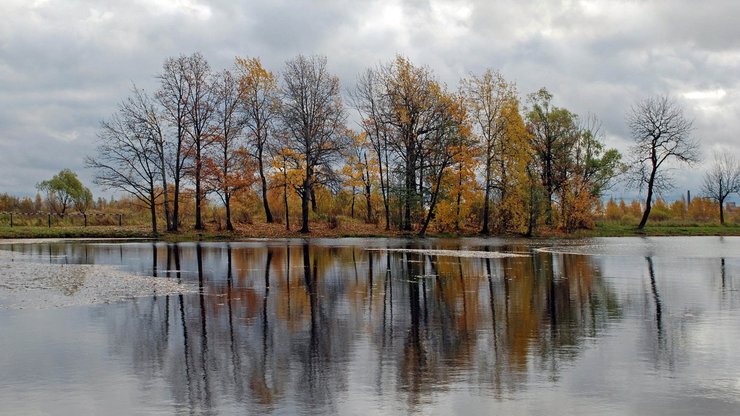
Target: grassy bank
(605, 229)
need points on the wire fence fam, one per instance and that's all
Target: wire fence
(52, 219)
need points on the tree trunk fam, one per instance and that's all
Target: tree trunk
(176, 205)
(352, 209)
(369, 208)
(721, 210)
(227, 202)
(313, 199)
(285, 201)
(268, 214)
(648, 204)
(305, 196)
(486, 204)
(153, 208)
(198, 220)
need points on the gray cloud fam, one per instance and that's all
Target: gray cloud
(64, 66)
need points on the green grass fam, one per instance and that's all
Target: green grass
(609, 229)
(603, 229)
(74, 232)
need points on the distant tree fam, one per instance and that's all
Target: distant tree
(661, 132)
(65, 191)
(313, 115)
(721, 180)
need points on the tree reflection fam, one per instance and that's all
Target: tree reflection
(262, 334)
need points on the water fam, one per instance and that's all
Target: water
(598, 326)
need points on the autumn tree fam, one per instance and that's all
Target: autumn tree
(313, 115)
(487, 97)
(592, 169)
(260, 103)
(226, 167)
(661, 133)
(721, 180)
(358, 171)
(553, 131)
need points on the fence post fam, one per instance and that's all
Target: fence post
(49, 219)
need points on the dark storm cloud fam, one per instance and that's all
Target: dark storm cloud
(64, 65)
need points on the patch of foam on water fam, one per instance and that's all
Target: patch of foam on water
(33, 285)
(452, 253)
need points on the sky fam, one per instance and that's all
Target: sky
(66, 64)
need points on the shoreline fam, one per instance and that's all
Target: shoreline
(267, 231)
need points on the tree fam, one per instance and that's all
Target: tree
(721, 180)
(200, 114)
(64, 191)
(127, 157)
(226, 170)
(554, 132)
(174, 95)
(313, 115)
(661, 132)
(358, 171)
(260, 103)
(487, 97)
(367, 99)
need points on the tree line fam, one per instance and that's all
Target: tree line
(421, 154)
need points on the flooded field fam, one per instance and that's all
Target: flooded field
(371, 326)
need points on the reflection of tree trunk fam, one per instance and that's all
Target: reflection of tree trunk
(203, 327)
(267, 270)
(154, 259)
(370, 281)
(722, 272)
(235, 364)
(491, 300)
(656, 297)
(186, 352)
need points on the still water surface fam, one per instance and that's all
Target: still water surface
(598, 326)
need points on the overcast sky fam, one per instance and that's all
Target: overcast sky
(65, 64)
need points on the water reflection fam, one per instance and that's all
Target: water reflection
(297, 327)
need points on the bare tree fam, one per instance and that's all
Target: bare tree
(722, 179)
(367, 100)
(127, 157)
(260, 102)
(200, 114)
(313, 114)
(173, 95)
(661, 132)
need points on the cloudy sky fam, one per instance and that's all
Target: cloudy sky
(65, 64)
